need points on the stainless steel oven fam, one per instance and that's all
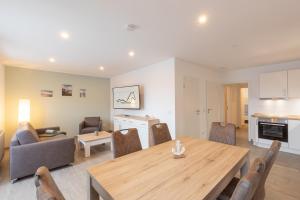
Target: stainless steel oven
(273, 129)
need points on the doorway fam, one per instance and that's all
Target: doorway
(236, 109)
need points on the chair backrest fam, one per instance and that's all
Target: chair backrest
(224, 134)
(247, 186)
(269, 158)
(91, 121)
(46, 188)
(127, 143)
(160, 134)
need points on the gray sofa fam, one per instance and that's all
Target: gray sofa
(28, 151)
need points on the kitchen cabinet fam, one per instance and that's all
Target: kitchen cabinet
(294, 134)
(142, 124)
(273, 85)
(294, 83)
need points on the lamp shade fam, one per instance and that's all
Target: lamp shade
(24, 110)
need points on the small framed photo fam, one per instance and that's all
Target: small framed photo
(46, 93)
(82, 93)
(66, 90)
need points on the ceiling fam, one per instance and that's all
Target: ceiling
(238, 33)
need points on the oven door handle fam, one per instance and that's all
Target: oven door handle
(263, 123)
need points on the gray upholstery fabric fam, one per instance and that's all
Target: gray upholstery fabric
(89, 130)
(269, 158)
(126, 143)
(46, 188)
(247, 186)
(223, 134)
(26, 159)
(268, 161)
(90, 124)
(26, 134)
(160, 134)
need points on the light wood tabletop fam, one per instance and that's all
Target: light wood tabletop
(154, 174)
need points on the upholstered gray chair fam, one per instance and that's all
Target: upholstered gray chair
(268, 161)
(46, 188)
(223, 134)
(160, 134)
(248, 185)
(125, 143)
(90, 125)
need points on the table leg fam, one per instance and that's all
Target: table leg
(92, 193)
(245, 167)
(87, 150)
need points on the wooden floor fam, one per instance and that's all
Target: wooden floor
(282, 184)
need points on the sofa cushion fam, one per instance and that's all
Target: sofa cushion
(26, 137)
(91, 121)
(26, 134)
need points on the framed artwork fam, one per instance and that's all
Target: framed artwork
(82, 93)
(127, 97)
(66, 90)
(46, 93)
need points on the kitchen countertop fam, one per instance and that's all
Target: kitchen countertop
(291, 117)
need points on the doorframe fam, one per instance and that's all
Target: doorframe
(250, 136)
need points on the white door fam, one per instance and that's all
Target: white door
(273, 85)
(192, 107)
(214, 102)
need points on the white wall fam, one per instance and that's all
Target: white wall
(157, 83)
(2, 97)
(251, 76)
(186, 69)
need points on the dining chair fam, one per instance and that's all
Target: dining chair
(160, 134)
(268, 159)
(224, 134)
(46, 188)
(248, 185)
(126, 143)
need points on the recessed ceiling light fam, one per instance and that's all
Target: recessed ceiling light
(64, 35)
(101, 68)
(131, 53)
(52, 60)
(202, 19)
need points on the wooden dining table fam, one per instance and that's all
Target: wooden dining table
(153, 173)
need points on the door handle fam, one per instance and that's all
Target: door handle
(198, 112)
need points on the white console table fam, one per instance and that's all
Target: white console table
(142, 124)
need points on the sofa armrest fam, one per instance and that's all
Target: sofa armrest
(43, 130)
(81, 126)
(26, 159)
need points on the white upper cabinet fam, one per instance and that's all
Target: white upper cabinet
(294, 83)
(273, 85)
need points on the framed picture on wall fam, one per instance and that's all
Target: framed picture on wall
(82, 93)
(46, 93)
(66, 90)
(127, 97)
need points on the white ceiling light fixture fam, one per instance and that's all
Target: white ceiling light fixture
(52, 60)
(202, 19)
(101, 68)
(131, 53)
(64, 35)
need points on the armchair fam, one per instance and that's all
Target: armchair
(90, 124)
